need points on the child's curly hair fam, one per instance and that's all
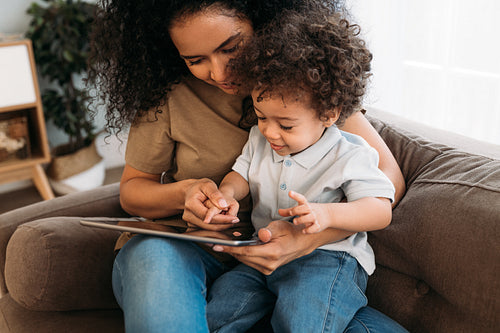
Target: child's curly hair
(315, 58)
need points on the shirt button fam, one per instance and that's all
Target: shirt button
(283, 187)
(288, 163)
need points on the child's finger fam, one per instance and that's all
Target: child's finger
(211, 212)
(304, 219)
(295, 211)
(312, 229)
(298, 197)
(285, 212)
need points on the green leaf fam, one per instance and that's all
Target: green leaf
(68, 56)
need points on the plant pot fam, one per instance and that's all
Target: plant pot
(78, 171)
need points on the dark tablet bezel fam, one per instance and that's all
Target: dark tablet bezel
(156, 229)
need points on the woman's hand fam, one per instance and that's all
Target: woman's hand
(284, 242)
(195, 206)
(214, 211)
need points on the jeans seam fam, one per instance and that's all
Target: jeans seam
(237, 312)
(362, 324)
(119, 272)
(327, 314)
(357, 285)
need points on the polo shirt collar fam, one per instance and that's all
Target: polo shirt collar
(312, 155)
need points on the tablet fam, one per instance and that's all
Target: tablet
(230, 237)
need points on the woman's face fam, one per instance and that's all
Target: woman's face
(206, 41)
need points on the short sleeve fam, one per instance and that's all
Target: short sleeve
(362, 177)
(149, 147)
(242, 164)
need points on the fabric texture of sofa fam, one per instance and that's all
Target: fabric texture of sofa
(438, 262)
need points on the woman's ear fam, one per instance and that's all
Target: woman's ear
(332, 117)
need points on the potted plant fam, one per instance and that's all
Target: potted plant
(59, 32)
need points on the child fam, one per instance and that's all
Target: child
(305, 78)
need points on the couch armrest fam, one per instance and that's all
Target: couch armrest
(56, 264)
(103, 201)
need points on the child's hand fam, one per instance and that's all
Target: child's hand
(306, 214)
(231, 209)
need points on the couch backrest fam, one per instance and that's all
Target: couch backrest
(438, 262)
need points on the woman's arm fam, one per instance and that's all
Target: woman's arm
(359, 125)
(284, 242)
(142, 194)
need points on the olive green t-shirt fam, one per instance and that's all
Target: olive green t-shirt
(195, 134)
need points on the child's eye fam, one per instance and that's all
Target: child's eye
(261, 118)
(286, 128)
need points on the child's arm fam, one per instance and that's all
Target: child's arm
(234, 187)
(361, 215)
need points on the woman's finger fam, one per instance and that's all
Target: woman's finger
(211, 212)
(193, 220)
(214, 195)
(266, 258)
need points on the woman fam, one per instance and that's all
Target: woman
(163, 67)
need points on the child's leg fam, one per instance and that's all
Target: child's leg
(237, 300)
(369, 320)
(320, 292)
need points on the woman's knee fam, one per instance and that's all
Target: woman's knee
(158, 281)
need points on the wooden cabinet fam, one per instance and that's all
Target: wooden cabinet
(21, 114)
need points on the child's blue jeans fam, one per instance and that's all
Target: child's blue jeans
(161, 285)
(320, 292)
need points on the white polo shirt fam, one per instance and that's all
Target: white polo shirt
(339, 164)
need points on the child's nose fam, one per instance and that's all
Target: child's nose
(270, 132)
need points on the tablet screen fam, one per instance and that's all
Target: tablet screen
(231, 237)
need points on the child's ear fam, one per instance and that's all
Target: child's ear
(332, 117)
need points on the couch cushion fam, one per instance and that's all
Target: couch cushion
(14, 318)
(55, 264)
(438, 260)
(102, 201)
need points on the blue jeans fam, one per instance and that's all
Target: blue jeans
(161, 285)
(319, 292)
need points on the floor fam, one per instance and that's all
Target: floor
(23, 197)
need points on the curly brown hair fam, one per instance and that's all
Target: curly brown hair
(133, 62)
(316, 58)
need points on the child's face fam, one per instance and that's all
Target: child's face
(289, 126)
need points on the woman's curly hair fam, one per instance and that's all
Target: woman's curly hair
(316, 58)
(133, 62)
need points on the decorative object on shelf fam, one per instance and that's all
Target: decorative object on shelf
(14, 138)
(59, 32)
(23, 139)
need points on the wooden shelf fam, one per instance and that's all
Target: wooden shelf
(20, 97)
(17, 107)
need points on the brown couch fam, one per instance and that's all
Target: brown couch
(438, 263)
